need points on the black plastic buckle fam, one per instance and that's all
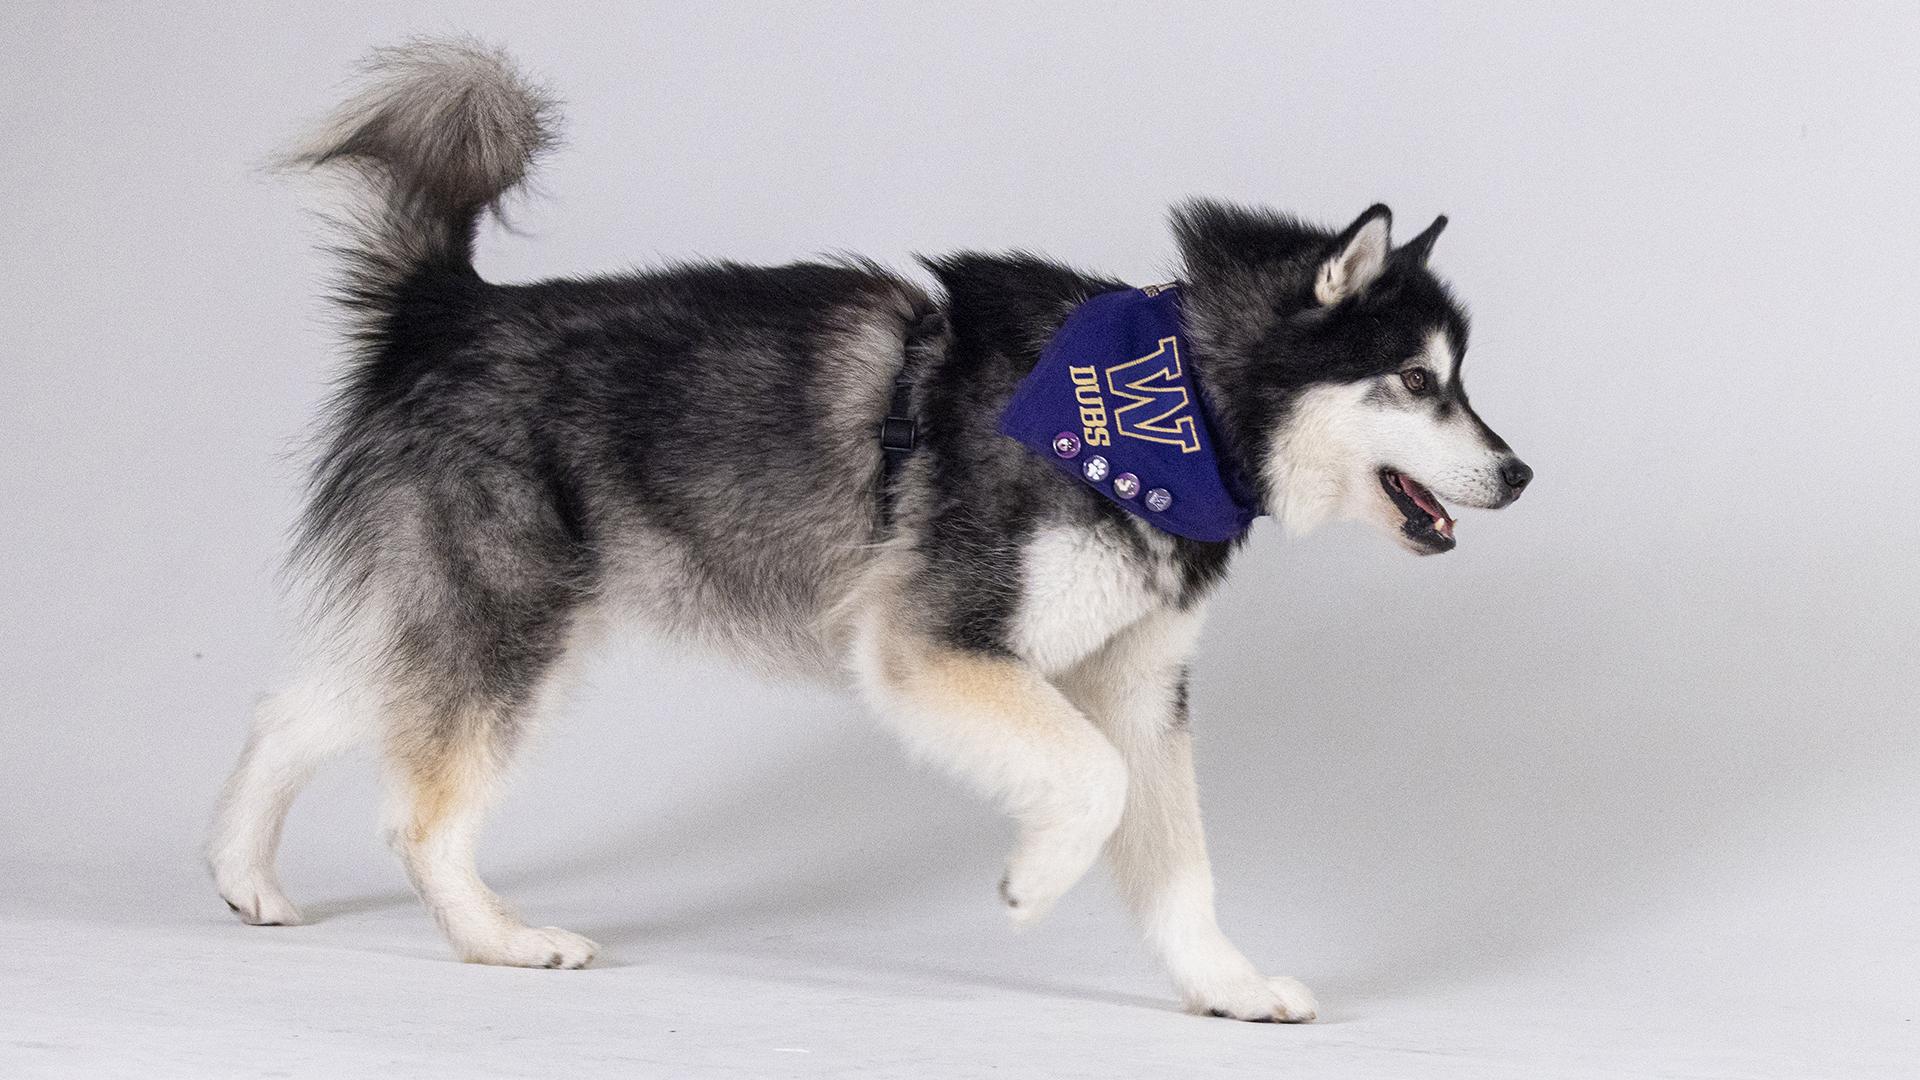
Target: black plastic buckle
(898, 434)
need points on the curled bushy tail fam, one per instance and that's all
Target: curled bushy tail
(440, 131)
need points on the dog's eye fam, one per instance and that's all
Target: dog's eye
(1417, 380)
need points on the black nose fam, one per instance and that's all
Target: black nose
(1516, 473)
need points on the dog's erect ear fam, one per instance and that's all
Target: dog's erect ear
(1360, 254)
(1421, 246)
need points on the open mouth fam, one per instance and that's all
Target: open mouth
(1427, 524)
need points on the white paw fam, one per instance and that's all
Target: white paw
(1052, 856)
(1041, 871)
(258, 901)
(1278, 1000)
(531, 946)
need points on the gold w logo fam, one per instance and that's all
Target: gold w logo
(1157, 407)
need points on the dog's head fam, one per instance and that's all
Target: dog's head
(1334, 361)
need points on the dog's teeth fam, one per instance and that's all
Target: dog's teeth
(1444, 527)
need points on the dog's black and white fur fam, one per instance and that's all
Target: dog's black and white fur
(510, 468)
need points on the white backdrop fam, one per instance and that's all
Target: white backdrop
(1624, 786)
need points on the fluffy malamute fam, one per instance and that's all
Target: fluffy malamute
(819, 468)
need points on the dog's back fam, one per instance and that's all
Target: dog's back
(695, 445)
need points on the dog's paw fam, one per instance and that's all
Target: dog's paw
(1278, 1000)
(1034, 895)
(1056, 851)
(259, 902)
(531, 946)
(1042, 870)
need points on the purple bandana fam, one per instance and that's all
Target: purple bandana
(1112, 404)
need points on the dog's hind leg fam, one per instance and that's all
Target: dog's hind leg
(1004, 729)
(445, 765)
(293, 733)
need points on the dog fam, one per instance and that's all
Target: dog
(811, 468)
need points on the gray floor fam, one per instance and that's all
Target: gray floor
(708, 987)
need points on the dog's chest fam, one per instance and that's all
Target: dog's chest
(1080, 586)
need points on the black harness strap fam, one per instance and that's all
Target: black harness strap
(924, 343)
(899, 434)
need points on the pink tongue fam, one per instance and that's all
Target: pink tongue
(1420, 498)
(1425, 501)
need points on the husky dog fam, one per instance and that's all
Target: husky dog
(507, 468)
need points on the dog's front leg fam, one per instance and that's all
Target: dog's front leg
(1135, 690)
(1002, 727)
